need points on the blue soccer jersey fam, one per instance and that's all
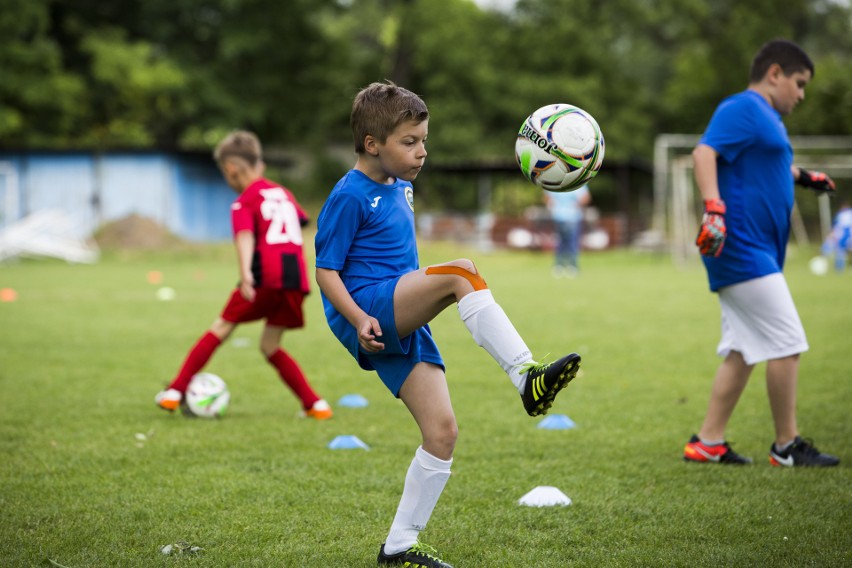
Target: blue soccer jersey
(365, 231)
(756, 185)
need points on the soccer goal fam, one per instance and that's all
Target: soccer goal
(677, 204)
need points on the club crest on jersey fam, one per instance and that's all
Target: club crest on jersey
(409, 197)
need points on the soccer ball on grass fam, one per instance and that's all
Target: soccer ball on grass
(560, 147)
(207, 396)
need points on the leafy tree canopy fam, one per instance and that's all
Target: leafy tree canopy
(180, 73)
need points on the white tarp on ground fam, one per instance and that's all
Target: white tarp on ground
(48, 232)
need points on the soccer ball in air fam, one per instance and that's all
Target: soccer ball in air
(207, 396)
(560, 147)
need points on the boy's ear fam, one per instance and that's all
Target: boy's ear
(371, 145)
(774, 72)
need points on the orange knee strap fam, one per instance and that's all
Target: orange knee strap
(473, 277)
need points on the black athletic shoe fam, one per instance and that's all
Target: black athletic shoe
(545, 380)
(801, 453)
(418, 556)
(696, 451)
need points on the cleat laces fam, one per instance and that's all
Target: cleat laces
(425, 550)
(534, 366)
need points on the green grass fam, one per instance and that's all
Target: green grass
(84, 349)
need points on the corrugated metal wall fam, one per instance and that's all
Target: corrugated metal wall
(183, 192)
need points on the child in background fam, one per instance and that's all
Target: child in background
(745, 173)
(379, 302)
(839, 241)
(267, 223)
(566, 209)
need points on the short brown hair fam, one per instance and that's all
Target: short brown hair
(239, 144)
(787, 54)
(379, 108)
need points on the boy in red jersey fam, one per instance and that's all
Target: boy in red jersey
(267, 223)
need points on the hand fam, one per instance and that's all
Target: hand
(368, 330)
(711, 235)
(247, 289)
(817, 181)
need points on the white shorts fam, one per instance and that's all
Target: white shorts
(760, 320)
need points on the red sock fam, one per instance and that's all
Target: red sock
(195, 360)
(293, 377)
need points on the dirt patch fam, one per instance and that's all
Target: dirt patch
(137, 233)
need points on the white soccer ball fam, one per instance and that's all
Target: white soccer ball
(819, 265)
(207, 396)
(166, 294)
(560, 147)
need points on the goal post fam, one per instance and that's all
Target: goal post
(676, 206)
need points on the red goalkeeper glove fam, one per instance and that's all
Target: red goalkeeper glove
(711, 235)
(817, 181)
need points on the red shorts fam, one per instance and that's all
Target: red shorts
(278, 307)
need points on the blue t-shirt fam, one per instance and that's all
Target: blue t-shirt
(756, 185)
(842, 228)
(366, 232)
(566, 206)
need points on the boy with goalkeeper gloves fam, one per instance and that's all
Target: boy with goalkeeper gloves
(745, 173)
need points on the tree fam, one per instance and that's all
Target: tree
(40, 102)
(181, 73)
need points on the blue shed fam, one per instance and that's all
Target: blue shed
(183, 191)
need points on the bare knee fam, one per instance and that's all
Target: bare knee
(440, 440)
(270, 340)
(465, 263)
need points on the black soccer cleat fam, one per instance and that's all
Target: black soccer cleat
(801, 453)
(418, 556)
(545, 380)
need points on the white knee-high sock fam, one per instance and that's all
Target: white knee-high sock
(491, 329)
(424, 482)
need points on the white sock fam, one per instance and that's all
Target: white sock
(491, 329)
(424, 482)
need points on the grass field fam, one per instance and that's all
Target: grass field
(84, 349)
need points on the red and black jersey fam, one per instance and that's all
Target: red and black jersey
(273, 215)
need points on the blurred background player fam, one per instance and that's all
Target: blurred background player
(745, 173)
(566, 209)
(267, 224)
(839, 241)
(379, 302)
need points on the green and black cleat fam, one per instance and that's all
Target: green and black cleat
(545, 380)
(418, 556)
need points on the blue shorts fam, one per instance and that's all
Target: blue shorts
(396, 361)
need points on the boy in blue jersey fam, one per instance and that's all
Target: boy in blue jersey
(839, 241)
(379, 302)
(745, 173)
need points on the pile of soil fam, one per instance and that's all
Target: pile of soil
(137, 233)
